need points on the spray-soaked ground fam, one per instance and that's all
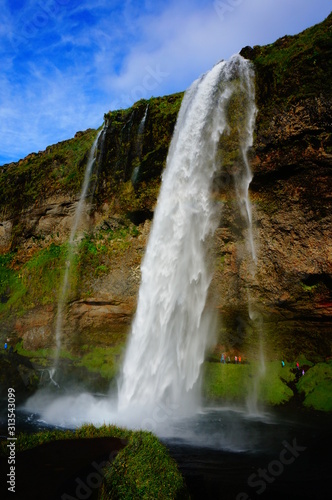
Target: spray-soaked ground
(222, 452)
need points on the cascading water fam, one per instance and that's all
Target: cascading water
(242, 179)
(244, 123)
(139, 145)
(243, 175)
(81, 206)
(172, 327)
(142, 123)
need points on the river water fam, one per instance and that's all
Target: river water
(224, 453)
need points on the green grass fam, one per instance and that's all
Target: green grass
(35, 283)
(40, 354)
(229, 382)
(274, 390)
(142, 469)
(59, 168)
(233, 383)
(43, 274)
(38, 281)
(316, 385)
(293, 68)
(11, 287)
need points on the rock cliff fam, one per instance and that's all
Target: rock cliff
(290, 194)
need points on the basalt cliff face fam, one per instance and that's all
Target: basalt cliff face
(291, 201)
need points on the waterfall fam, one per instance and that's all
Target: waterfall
(174, 321)
(81, 206)
(49, 379)
(172, 327)
(139, 145)
(242, 176)
(142, 123)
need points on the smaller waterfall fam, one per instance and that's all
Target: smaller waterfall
(48, 378)
(139, 145)
(242, 179)
(81, 207)
(142, 123)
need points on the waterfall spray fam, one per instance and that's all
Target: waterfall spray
(81, 206)
(172, 326)
(246, 143)
(242, 179)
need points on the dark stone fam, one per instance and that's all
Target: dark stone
(247, 52)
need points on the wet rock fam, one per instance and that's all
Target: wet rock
(18, 373)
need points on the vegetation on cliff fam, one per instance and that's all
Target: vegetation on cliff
(58, 169)
(134, 154)
(291, 69)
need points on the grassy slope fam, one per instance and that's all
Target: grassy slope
(316, 385)
(58, 169)
(234, 383)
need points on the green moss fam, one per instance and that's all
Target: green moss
(38, 281)
(273, 389)
(142, 469)
(100, 270)
(59, 168)
(43, 272)
(316, 385)
(308, 288)
(41, 354)
(11, 286)
(142, 197)
(103, 360)
(293, 68)
(128, 148)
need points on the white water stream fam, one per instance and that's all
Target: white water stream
(172, 327)
(139, 145)
(81, 207)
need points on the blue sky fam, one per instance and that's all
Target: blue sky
(64, 63)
